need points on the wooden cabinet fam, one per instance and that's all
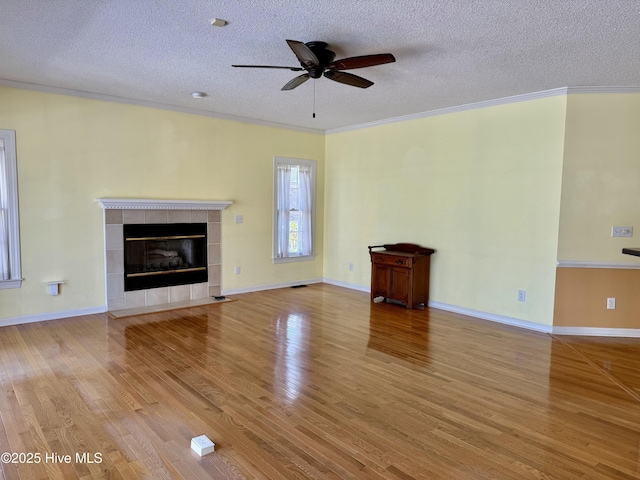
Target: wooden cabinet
(400, 272)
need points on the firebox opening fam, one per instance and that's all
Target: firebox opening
(164, 255)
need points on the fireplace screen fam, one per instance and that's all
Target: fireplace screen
(162, 255)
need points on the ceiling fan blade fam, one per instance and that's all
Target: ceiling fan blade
(304, 53)
(293, 69)
(296, 82)
(348, 79)
(361, 62)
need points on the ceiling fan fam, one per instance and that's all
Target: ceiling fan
(317, 60)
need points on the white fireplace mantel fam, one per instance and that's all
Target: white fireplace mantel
(150, 204)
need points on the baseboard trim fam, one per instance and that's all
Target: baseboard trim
(577, 331)
(44, 317)
(463, 311)
(515, 322)
(351, 286)
(597, 332)
(259, 288)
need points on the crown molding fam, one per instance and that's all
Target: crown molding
(606, 90)
(575, 90)
(144, 103)
(455, 109)
(492, 103)
(150, 204)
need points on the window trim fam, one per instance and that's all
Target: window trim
(296, 162)
(9, 138)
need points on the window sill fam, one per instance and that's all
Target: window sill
(5, 284)
(301, 258)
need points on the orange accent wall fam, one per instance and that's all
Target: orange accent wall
(581, 297)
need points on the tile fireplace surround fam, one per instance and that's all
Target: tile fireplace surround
(118, 211)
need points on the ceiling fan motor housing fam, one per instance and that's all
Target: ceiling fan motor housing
(325, 57)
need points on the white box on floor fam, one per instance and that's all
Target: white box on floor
(202, 445)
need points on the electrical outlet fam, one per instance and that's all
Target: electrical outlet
(611, 303)
(351, 267)
(522, 296)
(622, 231)
(239, 219)
(237, 269)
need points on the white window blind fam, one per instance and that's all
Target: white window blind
(294, 209)
(9, 232)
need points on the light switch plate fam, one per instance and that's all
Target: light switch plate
(622, 231)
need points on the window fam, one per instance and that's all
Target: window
(9, 234)
(294, 209)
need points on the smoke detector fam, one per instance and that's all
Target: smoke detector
(218, 22)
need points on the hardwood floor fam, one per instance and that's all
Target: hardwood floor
(316, 383)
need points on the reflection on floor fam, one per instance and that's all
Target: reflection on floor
(316, 383)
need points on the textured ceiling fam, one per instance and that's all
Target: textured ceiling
(449, 52)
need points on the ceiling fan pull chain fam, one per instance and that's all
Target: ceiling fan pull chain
(314, 98)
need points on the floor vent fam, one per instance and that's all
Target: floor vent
(298, 286)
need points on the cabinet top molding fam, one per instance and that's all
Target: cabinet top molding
(151, 204)
(411, 248)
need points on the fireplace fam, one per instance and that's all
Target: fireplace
(162, 267)
(164, 255)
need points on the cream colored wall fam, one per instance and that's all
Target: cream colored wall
(73, 150)
(482, 187)
(601, 177)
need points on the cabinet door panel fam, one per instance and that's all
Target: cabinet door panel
(400, 284)
(382, 281)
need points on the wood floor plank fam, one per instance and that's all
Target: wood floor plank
(319, 383)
